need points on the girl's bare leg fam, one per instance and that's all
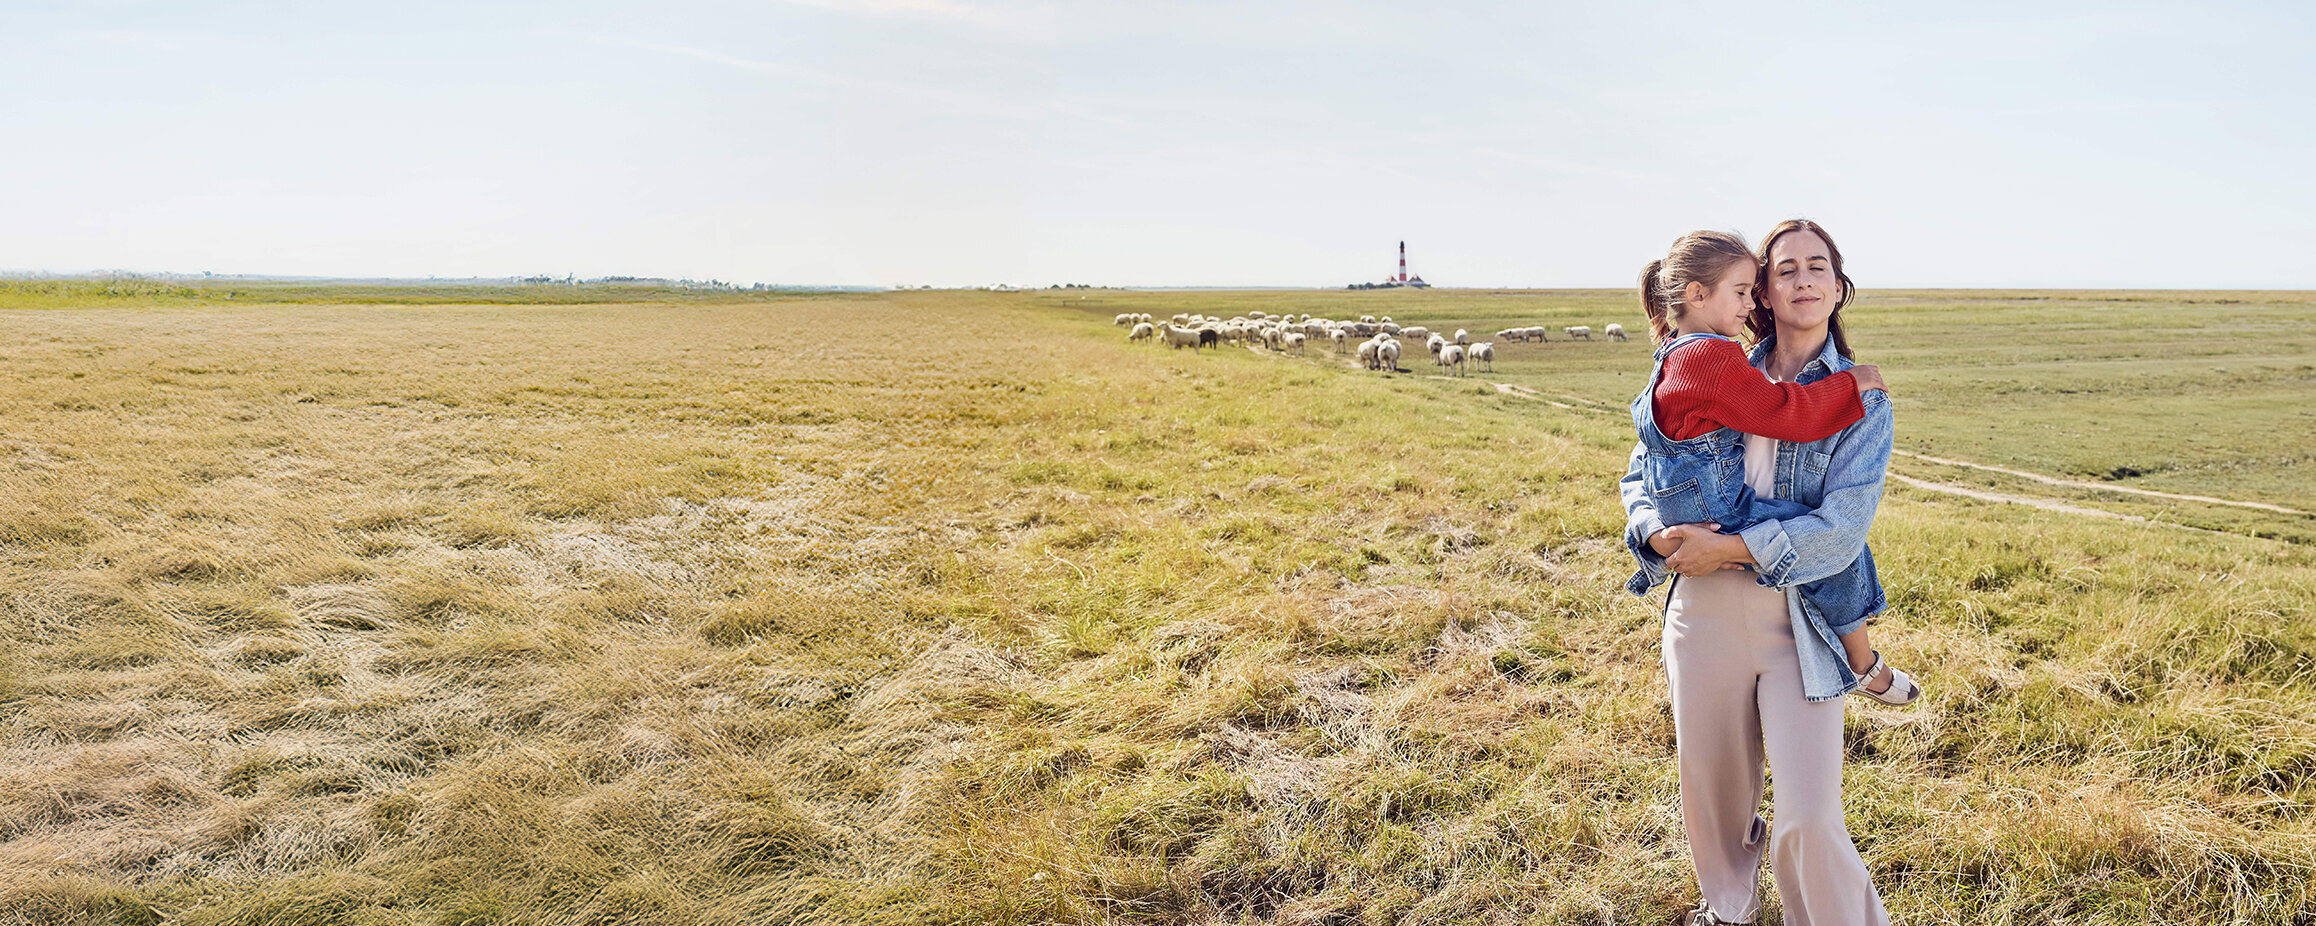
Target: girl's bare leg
(1860, 653)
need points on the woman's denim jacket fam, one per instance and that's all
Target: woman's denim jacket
(1840, 480)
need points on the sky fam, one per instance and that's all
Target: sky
(973, 142)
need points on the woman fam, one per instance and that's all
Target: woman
(1755, 672)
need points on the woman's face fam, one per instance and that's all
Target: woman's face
(1802, 290)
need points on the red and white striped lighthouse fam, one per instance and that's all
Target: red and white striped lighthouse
(1403, 262)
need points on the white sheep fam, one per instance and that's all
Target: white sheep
(1435, 343)
(1536, 334)
(1370, 355)
(1615, 332)
(1463, 337)
(1294, 341)
(1414, 332)
(1142, 332)
(1340, 337)
(1178, 337)
(1388, 353)
(1580, 331)
(1485, 353)
(1512, 334)
(1452, 356)
(1370, 319)
(1123, 319)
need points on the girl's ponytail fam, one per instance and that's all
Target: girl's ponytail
(1653, 301)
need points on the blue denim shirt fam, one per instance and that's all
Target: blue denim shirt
(1840, 480)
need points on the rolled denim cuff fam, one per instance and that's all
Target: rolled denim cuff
(1843, 630)
(1650, 575)
(1773, 553)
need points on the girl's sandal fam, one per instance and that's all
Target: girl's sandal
(1902, 690)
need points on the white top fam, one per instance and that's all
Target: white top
(1761, 462)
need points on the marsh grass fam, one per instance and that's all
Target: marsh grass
(940, 607)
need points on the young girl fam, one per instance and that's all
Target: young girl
(1701, 400)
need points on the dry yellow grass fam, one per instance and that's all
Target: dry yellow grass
(956, 607)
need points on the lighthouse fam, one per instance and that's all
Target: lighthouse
(1404, 279)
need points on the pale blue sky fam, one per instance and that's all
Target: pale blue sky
(962, 142)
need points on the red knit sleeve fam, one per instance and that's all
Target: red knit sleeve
(1707, 385)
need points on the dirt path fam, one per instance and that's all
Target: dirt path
(2028, 500)
(1524, 392)
(2103, 487)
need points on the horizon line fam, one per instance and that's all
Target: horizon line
(30, 276)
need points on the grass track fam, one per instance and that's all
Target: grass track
(939, 607)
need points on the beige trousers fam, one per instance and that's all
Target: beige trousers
(1736, 684)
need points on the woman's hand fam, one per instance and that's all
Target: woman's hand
(1699, 549)
(1665, 541)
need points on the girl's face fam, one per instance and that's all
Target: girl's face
(1722, 309)
(1802, 289)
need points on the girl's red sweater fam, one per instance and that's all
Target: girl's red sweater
(1708, 385)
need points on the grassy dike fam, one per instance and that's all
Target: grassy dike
(953, 607)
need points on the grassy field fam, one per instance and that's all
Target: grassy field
(326, 606)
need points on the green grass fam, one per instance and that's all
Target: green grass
(956, 607)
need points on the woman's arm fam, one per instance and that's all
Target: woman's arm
(1810, 547)
(1698, 549)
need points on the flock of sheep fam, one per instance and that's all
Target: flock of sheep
(1379, 351)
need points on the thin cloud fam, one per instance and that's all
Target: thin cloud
(942, 98)
(1036, 23)
(1562, 166)
(945, 8)
(811, 75)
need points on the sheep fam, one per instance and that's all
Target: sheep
(1369, 319)
(1485, 353)
(1178, 337)
(1434, 343)
(1615, 332)
(1209, 337)
(1388, 354)
(1142, 332)
(1414, 332)
(1463, 337)
(1388, 328)
(1122, 319)
(1452, 356)
(1294, 341)
(1512, 334)
(1339, 336)
(1385, 319)
(1580, 331)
